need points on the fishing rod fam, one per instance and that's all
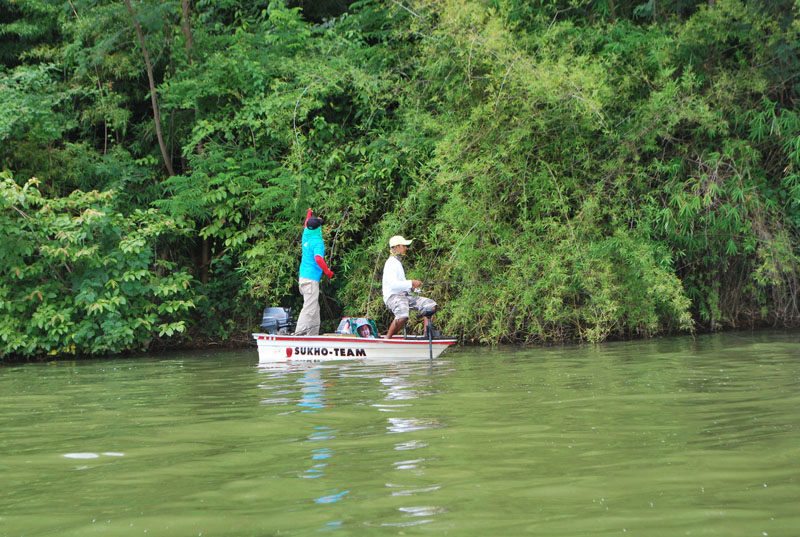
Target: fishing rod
(477, 282)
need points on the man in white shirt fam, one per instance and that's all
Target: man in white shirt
(397, 289)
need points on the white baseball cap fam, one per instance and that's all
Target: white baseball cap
(398, 240)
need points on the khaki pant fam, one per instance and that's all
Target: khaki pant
(308, 320)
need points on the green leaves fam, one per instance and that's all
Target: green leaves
(29, 100)
(625, 168)
(78, 278)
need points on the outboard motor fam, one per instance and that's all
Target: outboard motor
(277, 320)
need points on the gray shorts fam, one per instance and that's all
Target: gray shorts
(401, 304)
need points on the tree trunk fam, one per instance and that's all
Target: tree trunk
(205, 260)
(153, 97)
(205, 248)
(187, 29)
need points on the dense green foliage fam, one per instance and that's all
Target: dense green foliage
(80, 277)
(602, 168)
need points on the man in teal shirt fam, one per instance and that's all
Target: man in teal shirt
(312, 265)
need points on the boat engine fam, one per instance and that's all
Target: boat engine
(277, 320)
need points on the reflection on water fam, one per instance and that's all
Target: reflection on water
(657, 439)
(402, 386)
(407, 425)
(411, 444)
(313, 388)
(334, 497)
(408, 465)
(396, 387)
(312, 394)
(407, 491)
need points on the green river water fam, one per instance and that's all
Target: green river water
(663, 437)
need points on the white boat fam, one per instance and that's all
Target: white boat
(347, 344)
(332, 347)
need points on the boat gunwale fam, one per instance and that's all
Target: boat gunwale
(396, 340)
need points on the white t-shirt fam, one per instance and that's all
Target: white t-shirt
(394, 279)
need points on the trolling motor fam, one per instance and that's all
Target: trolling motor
(431, 332)
(277, 320)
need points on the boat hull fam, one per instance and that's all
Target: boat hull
(328, 348)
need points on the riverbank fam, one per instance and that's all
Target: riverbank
(245, 342)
